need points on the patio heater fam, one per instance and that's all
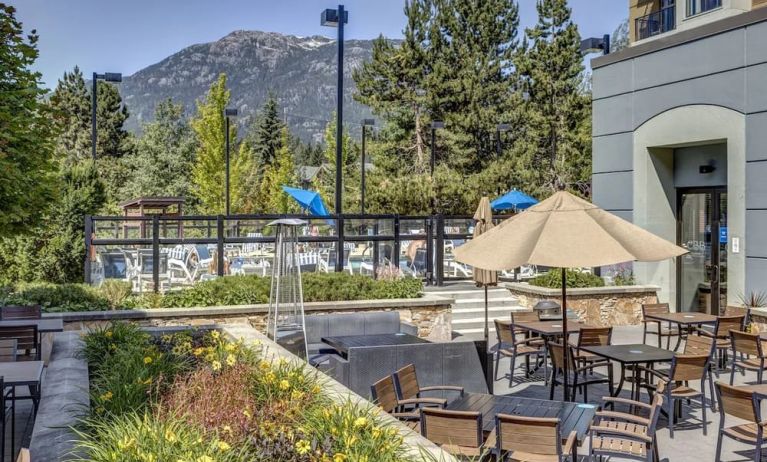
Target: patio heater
(285, 322)
(107, 77)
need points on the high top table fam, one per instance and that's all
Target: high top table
(687, 320)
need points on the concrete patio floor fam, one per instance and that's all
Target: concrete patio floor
(688, 445)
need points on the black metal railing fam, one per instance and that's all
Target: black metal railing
(702, 6)
(655, 23)
(158, 252)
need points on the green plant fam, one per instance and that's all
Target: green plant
(753, 299)
(624, 277)
(115, 292)
(575, 279)
(59, 297)
(100, 343)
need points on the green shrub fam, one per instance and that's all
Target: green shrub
(575, 279)
(100, 343)
(58, 297)
(624, 277)
(115, 292)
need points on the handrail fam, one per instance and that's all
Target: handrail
(655, 23)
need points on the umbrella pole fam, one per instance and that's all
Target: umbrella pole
(565, 339)
(487, 332)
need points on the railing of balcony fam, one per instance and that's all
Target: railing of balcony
(655, 23)
(702, 6)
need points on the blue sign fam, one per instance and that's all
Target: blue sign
(723, 235)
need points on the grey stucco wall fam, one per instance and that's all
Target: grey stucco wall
(727, 70)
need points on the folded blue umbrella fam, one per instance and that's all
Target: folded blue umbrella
(513, 200)
(310, 201)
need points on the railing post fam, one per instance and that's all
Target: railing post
(87, 264)
(429, 250)
(156, 252)
(220, 245)
(395, 257)
(375, 251)
(340, 245)
(440, 251)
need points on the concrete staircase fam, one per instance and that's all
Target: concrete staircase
(469, 309)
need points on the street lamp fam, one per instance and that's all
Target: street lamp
(227, 114)
(434, 126)
(365, 123)
(337, 18)
(498, 129)
(107, 77)
(595, 44)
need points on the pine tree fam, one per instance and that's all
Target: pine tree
(551, 69)
(325, 182)
(266, 137)
(72, 117)
(281, 172)
(162, 163)
(26, 131)
(208, 171)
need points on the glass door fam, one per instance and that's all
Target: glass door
(702, 221)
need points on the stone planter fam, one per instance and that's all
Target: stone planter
(598, 306)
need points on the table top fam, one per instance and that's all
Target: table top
(343, 343)
(549, 328)
(43, 325)
(683, 318)
(573, 416)
(631, 354)
(21, 372)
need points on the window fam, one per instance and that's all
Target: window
(701, 6)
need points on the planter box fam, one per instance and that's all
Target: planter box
(598, 306)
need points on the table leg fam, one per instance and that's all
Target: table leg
(619, 388)
(679, 337)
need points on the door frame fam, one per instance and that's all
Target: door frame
(716, 192)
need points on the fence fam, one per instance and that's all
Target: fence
(188, 249)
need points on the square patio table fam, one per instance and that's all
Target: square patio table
(343, 343)
(572, 416)
(549, 328)
(22, 373)
(631, 355)
(686, 320)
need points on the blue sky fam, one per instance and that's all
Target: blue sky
(125, 36)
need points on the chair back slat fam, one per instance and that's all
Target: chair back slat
(724, 324)
(21, 312)
(594, 336)
(8, 350)
(557, 353)
(657, 407)
(535, 435)
(655, 308)
(26, 336)
(504, 332)
(406, 382)
(737, 402)
(458, 428)
(524, 316)
(698, 345)
(743, 342)
(689, 367)
(384, 393)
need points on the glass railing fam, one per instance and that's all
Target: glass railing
(658, 22)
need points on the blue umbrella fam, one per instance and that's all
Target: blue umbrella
(514, 199)
(310, 201)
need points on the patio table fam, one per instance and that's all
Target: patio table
(549, 328)
(22, 373)
(631, 355)
(687, 320)
(343, 343)
(572, 416)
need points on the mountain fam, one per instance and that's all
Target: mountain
(299, 71)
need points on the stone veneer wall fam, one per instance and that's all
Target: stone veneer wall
(432, 315)
(601, 306)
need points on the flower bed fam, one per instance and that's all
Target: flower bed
(196, 397)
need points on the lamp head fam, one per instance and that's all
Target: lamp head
(113, 77)
(368, 122)
(230, 112)
(503, 127)
(437, 124)
(329, 17)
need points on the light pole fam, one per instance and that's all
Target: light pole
(337, 18)
(227, 114)
(107, 77)
(365, 123)
(596, 44)
(498, 129)
(434, 126)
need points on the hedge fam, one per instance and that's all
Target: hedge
(575, 279)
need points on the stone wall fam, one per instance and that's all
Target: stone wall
(431, 314)
(601, 306)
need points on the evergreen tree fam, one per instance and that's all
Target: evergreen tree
(266, 137)
(72, 117)
(26, 132)
(281, 172)
(325, 181)
(162, 163)
(551, 68)
(113, 140)
(209, 167)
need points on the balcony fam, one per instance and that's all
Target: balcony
(655, 23)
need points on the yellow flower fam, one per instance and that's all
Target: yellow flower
(296, 395)
(106, 396)
(227, 429)
(263, 365)
(270, 377)
(223, 446)
(284, 385)
(108, 334)
(170, 436)
(339, 457)
(205, 459)
(360, 422)
(198, 351)
(376, 432)
(303, 447)
(147, 360)
(230, 347)
(231, 360)
(215, 365)
(112, 346)
(148, 381)
(247, 414)
(215, 334)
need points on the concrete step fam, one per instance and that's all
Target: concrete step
(479, 312)
(478, 294)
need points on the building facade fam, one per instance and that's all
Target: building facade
(680, 144)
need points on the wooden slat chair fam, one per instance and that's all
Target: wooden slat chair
(675, 386)
(557, 352)
(590, 336)
(699, 345)
(384, 393)
(534, 439)
(24, 456)
(513, 345)
(626, 435)
(407, 386)
(11, 312)
(667, 330)
(27, 340)
(721, 333)
(8, 350)
(744, 405)
(457, 432)
(535, 341)
(747, 345)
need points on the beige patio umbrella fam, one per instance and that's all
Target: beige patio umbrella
(484, 278)
(567, 232)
